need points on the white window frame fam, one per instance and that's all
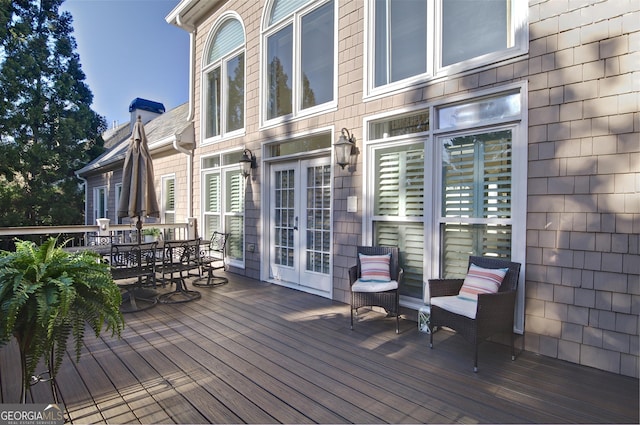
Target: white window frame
(519, 31)
(100, 192)
(267, 30)
(118, 196)
(433, 179)
(221, 63)
(222, 171)
(164, 197)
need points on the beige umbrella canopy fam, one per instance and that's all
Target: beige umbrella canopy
(138, 197)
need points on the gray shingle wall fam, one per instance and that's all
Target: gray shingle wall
(583, 286)
(583, 221)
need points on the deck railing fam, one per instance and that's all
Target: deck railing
(82, 235)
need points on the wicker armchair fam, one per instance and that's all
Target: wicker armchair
(493, 314)
(374, 293)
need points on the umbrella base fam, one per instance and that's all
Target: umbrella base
(138, 299)
(211, 281)
(180, 295)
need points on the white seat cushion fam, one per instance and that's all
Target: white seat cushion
(457, 305)
(372, 286)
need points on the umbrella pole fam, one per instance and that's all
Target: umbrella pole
(139, 228)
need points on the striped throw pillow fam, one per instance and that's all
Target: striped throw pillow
(481, 281)
(375, 268)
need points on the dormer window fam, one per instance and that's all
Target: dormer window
(223, 81)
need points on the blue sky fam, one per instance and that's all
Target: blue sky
(128, 50)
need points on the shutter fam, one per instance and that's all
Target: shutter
(234, 219)
(477, 176)
(409, 238)
(170, 194)
(400, 182)
(211, 204)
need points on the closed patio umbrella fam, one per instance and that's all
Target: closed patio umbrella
(138, 197)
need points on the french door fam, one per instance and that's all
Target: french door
(300, 224)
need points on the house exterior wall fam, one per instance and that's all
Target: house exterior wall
(582, 74)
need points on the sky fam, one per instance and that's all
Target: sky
(128, 50)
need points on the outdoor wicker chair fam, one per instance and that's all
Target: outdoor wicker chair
(375, 284)
(492, 313)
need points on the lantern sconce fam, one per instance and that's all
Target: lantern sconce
(247, 162)
(345, 148)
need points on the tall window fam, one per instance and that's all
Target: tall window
(299, 58)
(418, 39)
(223, 80)
(475, 216)
(100, 202)
(118, 195)
(223, 202)
(168, 199)
(447, 182)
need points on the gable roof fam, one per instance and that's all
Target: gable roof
(161, 132)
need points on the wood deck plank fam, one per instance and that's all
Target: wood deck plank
(258, 353)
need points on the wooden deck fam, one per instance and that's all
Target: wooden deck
(250, 352)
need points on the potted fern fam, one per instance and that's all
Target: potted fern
(47, 295)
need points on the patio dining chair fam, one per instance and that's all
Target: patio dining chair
(478, 306)
(375, 281)
(211, 259)
(179, 257)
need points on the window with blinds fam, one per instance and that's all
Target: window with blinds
(211, 205)
(234, 214)
(399, 207)
(169, 198)
(476, 199)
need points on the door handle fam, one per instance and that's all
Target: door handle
(295, 226)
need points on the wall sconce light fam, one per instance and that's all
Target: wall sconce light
(345, 148)
(247, 162)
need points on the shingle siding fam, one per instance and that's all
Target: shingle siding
(583, 207)
(589, 177)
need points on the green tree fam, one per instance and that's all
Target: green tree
(47, 127)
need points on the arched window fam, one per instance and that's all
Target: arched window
(299, 68)
(223, 80)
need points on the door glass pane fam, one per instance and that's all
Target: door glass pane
(317, 56)
(212, 119)
(473, 28)
(318, 218)
(284, 217)
(235, 93)
(279, 72)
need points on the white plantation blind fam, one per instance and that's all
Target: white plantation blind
(400, 182)
(409, 238)
(476, 199)
(234, 214)
(477, 176)
(211, 204)
(398, 203)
